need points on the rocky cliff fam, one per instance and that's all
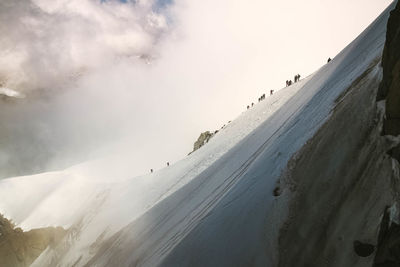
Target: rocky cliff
(390, 86)
(203, 139)
(388, 244)
(345, 179)
(19, 248)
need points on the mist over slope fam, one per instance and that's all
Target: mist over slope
(54, 53)
(275, 187)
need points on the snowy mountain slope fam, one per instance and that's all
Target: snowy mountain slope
(213, 208)
(110, 173)
(43, 198)
(237, 228)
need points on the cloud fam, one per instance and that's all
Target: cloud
(62, 54)
(46, 42)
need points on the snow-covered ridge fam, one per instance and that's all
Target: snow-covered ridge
(187, 213)
(107, 174)
(66, 197)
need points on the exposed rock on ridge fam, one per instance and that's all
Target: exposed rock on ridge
(203, 139)
(19, 248)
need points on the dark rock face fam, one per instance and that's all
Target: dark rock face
(277, 191)
(390, 86)
(363, 249)
(388, 253)
(391, 55)
(391, 78)
(342, 180)
(340, 203)
(19, 248)
(388, 248)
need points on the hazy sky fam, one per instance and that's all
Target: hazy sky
(145, 78)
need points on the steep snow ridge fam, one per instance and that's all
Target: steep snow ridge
(244, 216)
(213, 208)
(230, 227)
(110, 175)
(103, 196)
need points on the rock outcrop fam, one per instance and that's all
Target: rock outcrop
(19, 248)
(390, 86)
(388, 254)
(388, 247)
(203, 139)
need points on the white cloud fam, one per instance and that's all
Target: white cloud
(44, 42)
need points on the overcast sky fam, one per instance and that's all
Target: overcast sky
(148, 77)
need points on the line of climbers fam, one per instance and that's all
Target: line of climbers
(296, 79)
(151, 170)
(271, 92)
(262, 97)
(288, 83)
